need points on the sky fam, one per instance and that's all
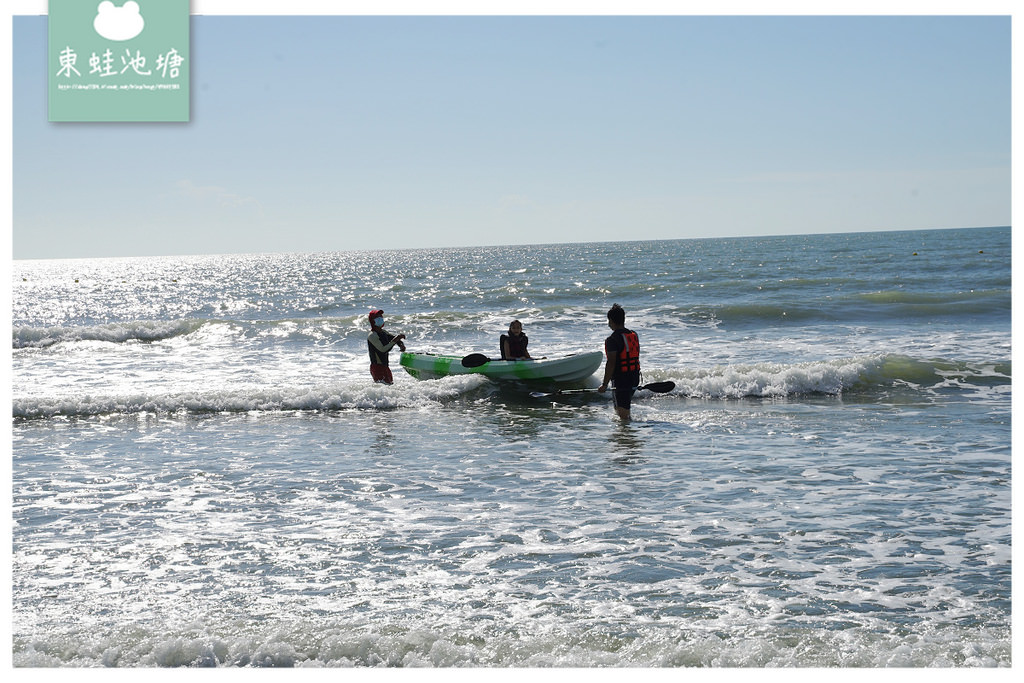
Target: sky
(328, 133)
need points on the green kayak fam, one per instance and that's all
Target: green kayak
(571, 368)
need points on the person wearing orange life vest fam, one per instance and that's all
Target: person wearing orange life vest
(380, 343)
(622, 368)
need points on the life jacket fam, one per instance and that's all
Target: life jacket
(629, 356)
(516, 345)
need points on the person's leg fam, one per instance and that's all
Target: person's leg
(381, 374)
(623, 399)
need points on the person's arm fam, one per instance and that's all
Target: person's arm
(609, 368)
(384, 348)
(609, 371)
(506, 349)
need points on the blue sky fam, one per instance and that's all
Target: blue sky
(336, 133)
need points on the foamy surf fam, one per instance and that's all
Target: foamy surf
(356, 394)
(332, 644)
(837, 377)
(834, 377)
(25, 337)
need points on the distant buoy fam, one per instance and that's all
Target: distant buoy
(915, 253)
(981, 251)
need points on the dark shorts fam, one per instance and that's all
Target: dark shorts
(381, 374)
(623, 396)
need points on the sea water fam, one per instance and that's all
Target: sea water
(204, 473)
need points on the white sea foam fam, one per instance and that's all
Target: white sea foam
(832, 377)
(340, 396)
(336, 644)
(764, 380)
(115, 333)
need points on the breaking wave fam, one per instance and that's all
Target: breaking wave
(353, 395)
(862, 376)
(116, 333)
(880, 307)
(836, 377)
(330, 643)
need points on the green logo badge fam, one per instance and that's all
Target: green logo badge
(126, 60)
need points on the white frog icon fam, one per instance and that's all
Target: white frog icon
(118, 23)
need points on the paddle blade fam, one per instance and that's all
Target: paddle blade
(660, 387)
(475, 360)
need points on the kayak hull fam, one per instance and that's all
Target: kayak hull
(571, 368)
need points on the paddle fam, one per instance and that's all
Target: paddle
(475, 360)
(656, 387)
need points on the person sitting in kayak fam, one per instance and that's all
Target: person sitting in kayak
(513, 344)
(380, 342)
(623, 367)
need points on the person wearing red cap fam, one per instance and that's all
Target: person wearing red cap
(380, 342)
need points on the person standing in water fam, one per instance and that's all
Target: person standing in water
(513, 344)
(380, 343)
(622, 368)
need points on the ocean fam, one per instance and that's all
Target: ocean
(204, 474)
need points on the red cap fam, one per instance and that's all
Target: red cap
(373, 314)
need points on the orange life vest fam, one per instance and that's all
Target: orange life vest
(629, 356)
